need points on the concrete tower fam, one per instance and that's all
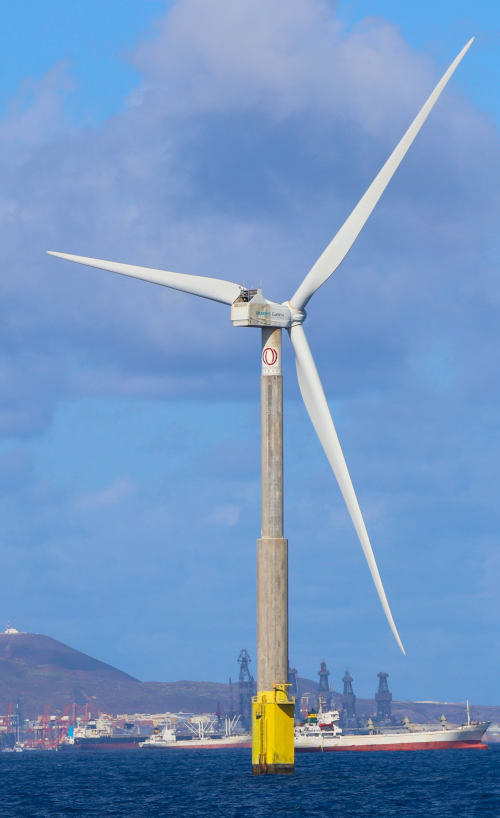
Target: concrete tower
(273, 708)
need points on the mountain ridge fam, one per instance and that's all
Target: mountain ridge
(40, 670)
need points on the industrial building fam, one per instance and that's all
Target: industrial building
(383, 697)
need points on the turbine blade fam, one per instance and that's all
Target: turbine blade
(350, 230)
(213, 288)
(317, 407)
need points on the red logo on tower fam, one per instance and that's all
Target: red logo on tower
(269, 356)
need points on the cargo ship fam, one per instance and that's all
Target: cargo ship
(169, 740)
(203, 737)
(320, 734)
(99, 735)
(100, 743)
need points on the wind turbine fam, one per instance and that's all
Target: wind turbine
(272, 717)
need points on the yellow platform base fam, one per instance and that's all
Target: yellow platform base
(272, 732)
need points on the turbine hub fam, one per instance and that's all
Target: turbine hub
(297, 316)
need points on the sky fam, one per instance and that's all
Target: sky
(232, 140)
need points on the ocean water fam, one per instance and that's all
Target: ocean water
(219, 784)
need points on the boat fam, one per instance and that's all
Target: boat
(29, 747)
(168, 740)
(320, 733)
(203, 737)
(111, 742)
(99, 735)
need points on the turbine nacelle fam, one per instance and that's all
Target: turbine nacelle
(251, 309)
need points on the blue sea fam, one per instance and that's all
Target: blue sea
(219, 783)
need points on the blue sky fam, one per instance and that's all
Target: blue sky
(233, 141)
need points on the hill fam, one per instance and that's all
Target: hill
(45, 653)
(43, 671)
(40, 670)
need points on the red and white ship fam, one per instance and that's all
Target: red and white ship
(320, 734)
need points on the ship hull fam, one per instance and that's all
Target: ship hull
(424, 745)
(102, 743)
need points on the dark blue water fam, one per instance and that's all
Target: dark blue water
(219, 783)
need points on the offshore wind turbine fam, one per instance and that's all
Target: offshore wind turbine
(272, 712)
